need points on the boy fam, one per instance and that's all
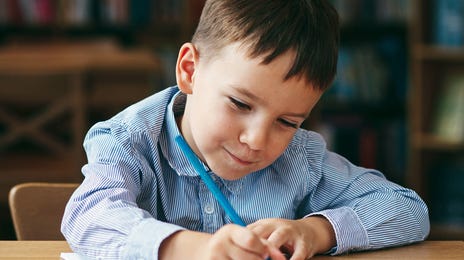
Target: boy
(250, 77)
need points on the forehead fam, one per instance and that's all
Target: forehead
(239, 54)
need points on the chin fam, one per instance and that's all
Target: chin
(231, 175)
(233, 178)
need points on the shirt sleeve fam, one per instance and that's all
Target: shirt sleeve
(365, 209)
(102, 219)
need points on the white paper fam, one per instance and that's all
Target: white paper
(71, 256)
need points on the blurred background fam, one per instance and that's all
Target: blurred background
(397, 103)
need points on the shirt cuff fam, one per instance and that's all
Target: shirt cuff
(349, 231)
(145, 239)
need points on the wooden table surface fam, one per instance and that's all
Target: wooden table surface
(424, 251)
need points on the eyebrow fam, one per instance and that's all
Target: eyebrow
(252, 96)
(247, 93)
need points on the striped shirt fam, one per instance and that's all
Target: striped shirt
(139, 188)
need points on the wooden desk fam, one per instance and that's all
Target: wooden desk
(32, 249)
(424, 251)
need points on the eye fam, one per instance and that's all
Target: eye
(288, 123)
(240, 105)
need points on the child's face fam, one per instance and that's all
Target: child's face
(240, 115)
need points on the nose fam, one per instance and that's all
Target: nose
(255, 136)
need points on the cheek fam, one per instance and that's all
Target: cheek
(214, 123)
(277, 145)
(212, 115)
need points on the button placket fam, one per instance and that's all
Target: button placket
(212, 219)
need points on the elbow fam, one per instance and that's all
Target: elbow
(72, 229)
(424, 221)
(420, 219)
(67, 230)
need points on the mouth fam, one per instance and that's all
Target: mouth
(239, 160)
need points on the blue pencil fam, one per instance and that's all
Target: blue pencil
(225, 204)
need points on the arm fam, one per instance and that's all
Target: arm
(356, 207)
(102, 217)
(366, 210)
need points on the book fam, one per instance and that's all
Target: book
(448, 23)
(449, 114)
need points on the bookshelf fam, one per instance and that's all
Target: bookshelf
(59, 60)
(436, 164)
(158, 25)
(363, 114)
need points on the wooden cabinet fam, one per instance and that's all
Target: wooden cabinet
(436, 114)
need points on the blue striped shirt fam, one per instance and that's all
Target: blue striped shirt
(139, 188)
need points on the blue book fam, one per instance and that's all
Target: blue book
(449, 23)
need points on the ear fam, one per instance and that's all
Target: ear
(185, 67)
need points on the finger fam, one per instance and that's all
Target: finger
(279, 238)
(284, 241)
(235, 242)
(286, 251)
(262, 228)
(301, 251)
(248, 241)
(235, 252)
(275, 254)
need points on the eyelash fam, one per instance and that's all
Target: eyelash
(242, 106)
(289, 124)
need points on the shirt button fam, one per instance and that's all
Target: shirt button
(209, 209)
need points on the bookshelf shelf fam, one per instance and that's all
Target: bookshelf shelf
(435, 143)
(438, 53)
(436, 159)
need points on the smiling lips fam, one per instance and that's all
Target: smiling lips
(238, 160)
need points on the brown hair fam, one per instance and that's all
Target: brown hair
(272, 27)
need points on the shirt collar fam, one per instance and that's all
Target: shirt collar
(171, 151)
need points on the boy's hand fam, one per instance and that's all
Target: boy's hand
(229, 242)
(301, 238)
(236, 242)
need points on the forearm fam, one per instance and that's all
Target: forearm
(394, 220)
(388, 223)
(366, 210)
(322, 230)
(183, 244)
